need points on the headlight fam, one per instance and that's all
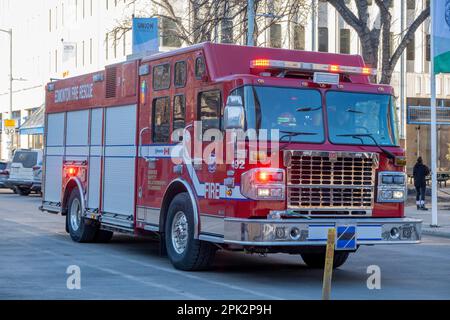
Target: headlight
(391, 186)
(264, 184)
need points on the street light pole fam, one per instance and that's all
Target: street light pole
(11, 79)
(250, 22)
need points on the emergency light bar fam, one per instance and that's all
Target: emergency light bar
(292, 65)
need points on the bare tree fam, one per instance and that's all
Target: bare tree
(202, 19)
(375, 41)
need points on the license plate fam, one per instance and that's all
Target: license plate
(346, 237)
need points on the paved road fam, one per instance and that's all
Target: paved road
(35, 252)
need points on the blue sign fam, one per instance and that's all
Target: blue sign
(346, 238)
(145, 35)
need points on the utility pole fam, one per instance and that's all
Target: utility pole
(9, 137)
(250, 22)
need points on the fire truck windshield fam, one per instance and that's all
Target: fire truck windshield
(361, 118)
(297, 112)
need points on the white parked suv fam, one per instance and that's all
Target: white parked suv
(26, 171)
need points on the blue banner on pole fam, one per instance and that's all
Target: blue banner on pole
(145, 35)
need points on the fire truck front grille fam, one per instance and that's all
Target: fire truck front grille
(330, 181)
(338, 198)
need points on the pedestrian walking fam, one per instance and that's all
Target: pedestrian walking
(420, 173)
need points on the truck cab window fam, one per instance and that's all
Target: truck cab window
(179, 112)
(161, 120)
(209, 103)
(200, 68)
(180, 74)
(161, 77)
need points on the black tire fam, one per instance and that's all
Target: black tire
(197, 255)
(103, 236)
(86, 230)
(317, 260)
(23, 192)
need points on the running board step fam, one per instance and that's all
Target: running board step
(117, 220)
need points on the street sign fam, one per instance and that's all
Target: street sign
(10, 126)
(9, 123)
(421, 115)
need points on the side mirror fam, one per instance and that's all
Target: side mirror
(234, 115)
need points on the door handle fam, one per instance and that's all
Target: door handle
(140, 145)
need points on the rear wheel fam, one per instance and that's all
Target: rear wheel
(22, 191)
(80, 228)
(317, 260)
(185, 252)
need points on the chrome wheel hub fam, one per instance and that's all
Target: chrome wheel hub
(75, 214)
(179, 232)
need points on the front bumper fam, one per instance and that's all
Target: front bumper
(313, 232)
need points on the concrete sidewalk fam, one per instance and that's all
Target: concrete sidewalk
(443, 229)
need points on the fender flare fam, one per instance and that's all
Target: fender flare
(80, 189)
(193, 201)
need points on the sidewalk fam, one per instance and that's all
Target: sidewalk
(443, 229)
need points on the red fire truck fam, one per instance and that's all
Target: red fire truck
(112, 165)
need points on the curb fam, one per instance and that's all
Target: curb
(436, 233)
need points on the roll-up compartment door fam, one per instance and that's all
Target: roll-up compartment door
(95, 153)
(77, 134)
(119, 163)
(54, 154)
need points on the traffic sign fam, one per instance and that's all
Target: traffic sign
(10, 126)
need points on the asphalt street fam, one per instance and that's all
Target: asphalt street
(35, 253)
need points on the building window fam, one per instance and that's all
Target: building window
(170, 36)
(50, 20)
(161, 120)
(323, 39)
(344, 41)
(115, 45)
(82, 53)
(200, 68)
(275, 35)
(299, 37)
(428, 48)
(411, 50)
(226, 31)
(90, 51)
(179, 112)
(209, 109)
(124, 43)
(56, 60)
(180, 74)
(107, 47)
(411, 4)
(161, 77)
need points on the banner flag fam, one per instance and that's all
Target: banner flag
(145, 35)
(441, 37)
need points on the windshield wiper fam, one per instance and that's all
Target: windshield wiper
(354, 111)
(291, 134)
(308, 109)
(389, 154)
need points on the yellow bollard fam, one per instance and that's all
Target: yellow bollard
(328, 269)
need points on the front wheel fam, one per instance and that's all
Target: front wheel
(317, 260)
(80, 229)
(185, 252)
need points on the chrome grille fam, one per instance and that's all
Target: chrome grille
(330, 180)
